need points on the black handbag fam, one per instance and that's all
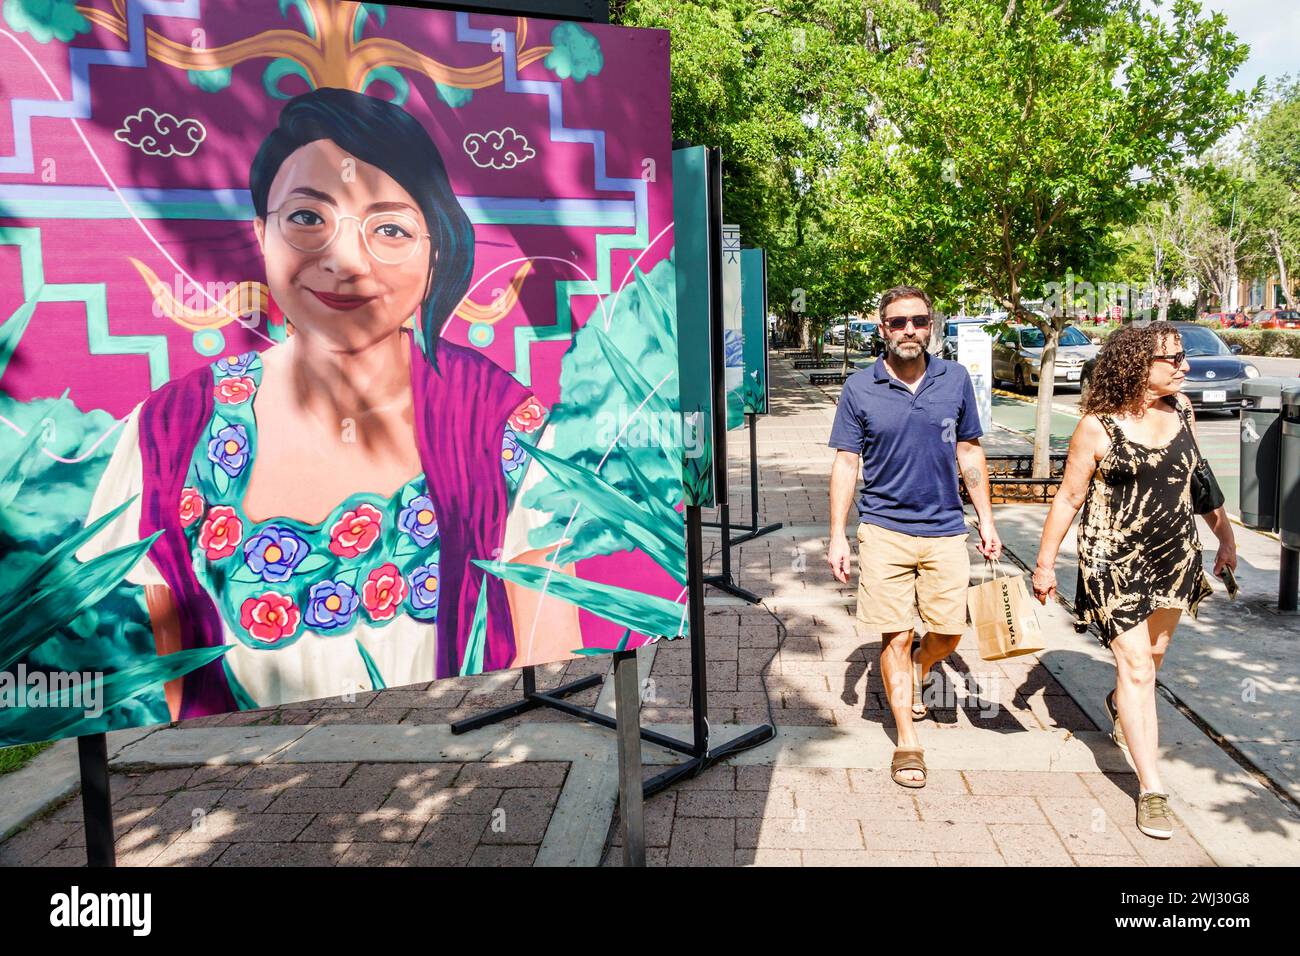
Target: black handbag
(1206, 493)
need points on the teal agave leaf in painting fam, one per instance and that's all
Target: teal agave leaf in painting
(618, 418)
(697, 475)
(656, 535)
(754, 392)
(591, 651)
(472, 663)
(45, 719)
(58, 614)
(642, 613)
(614, 476)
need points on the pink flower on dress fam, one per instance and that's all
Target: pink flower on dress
(234, 390)
(270, 617)
(191, 505)
(221, 532)
(355, 531)
(528, 416)
(383, 590)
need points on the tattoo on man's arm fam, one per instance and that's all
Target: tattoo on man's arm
(971, 476)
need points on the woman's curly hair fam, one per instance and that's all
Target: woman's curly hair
(1118, 383)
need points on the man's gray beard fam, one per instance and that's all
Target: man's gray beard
(893, 349)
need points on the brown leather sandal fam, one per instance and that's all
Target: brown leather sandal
(908, 758)
(919, 709)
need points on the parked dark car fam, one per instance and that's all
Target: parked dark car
(948, 349)
(875, 344)
(1217, 371)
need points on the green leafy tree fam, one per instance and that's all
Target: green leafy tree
(1019, 135)
(777, 86)
(1273, 147)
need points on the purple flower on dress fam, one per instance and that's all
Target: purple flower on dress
(229, 450)
(331, 605)
(424, 587)
(419, 521)
(235, 364)
(274, 552)
(512, 453)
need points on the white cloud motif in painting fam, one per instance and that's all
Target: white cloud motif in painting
(498, 149)
(161, 134)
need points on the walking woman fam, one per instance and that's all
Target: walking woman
(1130, 467)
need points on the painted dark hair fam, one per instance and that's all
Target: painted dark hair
(389, 138)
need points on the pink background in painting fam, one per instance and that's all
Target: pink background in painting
(628, 100)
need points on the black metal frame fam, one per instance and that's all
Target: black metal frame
(1288, 579)
(723, 581)
(586, 11)
(96, 800)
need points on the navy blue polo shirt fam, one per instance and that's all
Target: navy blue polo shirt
(908, 444)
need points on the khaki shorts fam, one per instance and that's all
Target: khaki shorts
(901, 574)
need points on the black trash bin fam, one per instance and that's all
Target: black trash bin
(1260, 444)
(1289, 472)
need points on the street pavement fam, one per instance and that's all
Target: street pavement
(1022, 771)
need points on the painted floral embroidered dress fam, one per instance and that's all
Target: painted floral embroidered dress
(319, 610)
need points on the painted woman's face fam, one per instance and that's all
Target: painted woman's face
(331, 280)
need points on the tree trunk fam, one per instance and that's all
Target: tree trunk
(1275, 240)
(1046, 392)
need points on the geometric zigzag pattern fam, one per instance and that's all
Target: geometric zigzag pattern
(92, 294)
(526, 335)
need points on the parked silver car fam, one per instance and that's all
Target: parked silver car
(1018, 355)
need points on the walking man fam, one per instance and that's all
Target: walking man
(910, 421)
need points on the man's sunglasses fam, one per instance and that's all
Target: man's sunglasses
(899, 322)
(1176, 359)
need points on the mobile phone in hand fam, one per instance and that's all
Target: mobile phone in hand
(1230, 581)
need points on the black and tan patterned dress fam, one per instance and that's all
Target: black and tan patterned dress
(1138, 545)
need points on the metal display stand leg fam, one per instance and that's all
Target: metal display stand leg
(1288, 580)
(532, 699)
(701, 755)
(627, 704)
(751, 530)
(96, 802)
(724, 581)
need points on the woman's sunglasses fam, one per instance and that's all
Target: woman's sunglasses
(1176, 359)
(899, 322)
